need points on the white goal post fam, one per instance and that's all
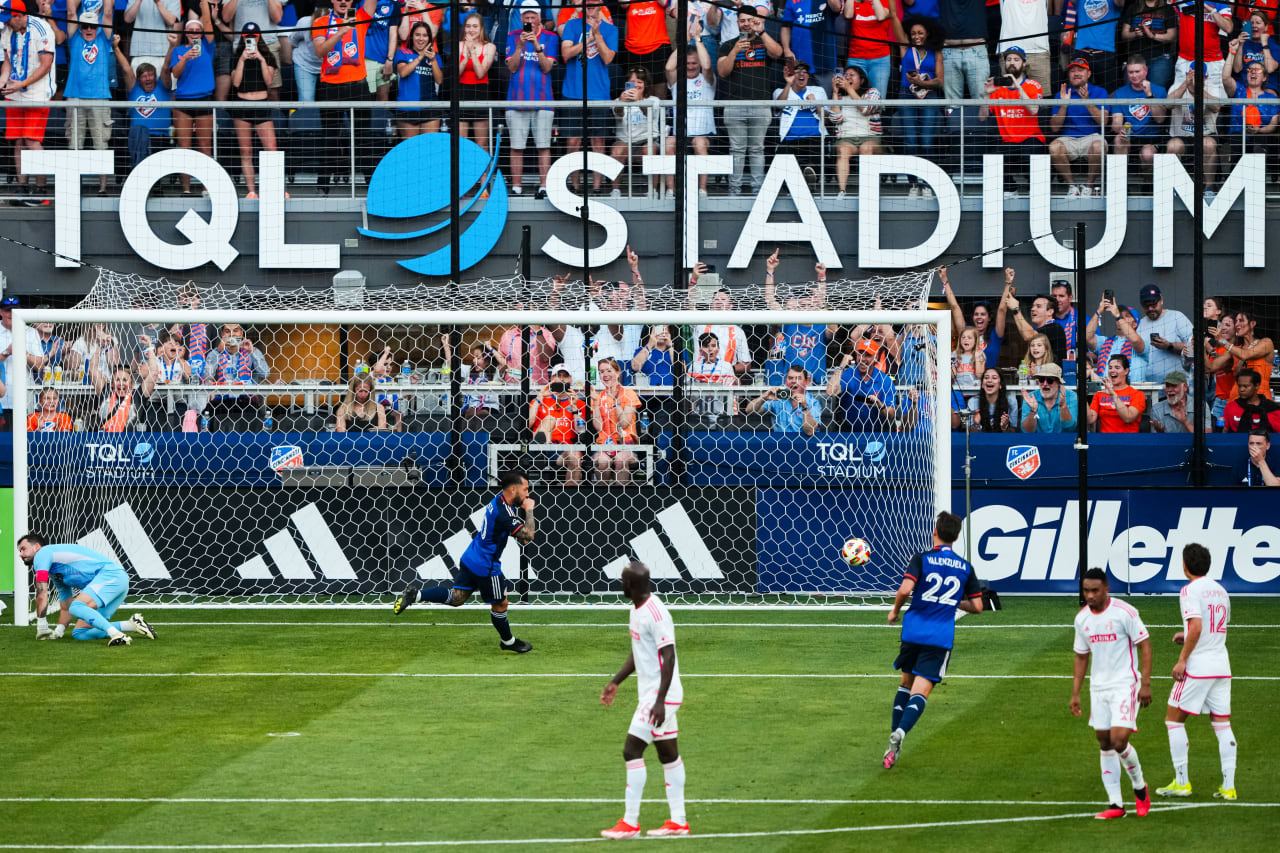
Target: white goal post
(286, 512)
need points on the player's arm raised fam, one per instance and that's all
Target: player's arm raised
(527, 530)
(667, 657)
(1080, 666)
(611, 689)
(1144, 657)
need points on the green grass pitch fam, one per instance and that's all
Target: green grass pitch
(416, 731)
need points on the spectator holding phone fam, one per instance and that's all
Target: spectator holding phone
(253, 71)
(858, 119)
(191, 63)
(1017, 123)
(795, 410)
(531, 55)
(923, 77)
(1165, 337)
(746, 69)
(558, 416)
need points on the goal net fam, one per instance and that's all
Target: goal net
(300, 447)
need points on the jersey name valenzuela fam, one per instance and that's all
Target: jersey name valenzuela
(484, 555)
(1206, 600)
(1110, 637)
(943, 579)
(652, 629)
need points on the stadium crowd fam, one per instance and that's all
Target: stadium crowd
(155, 65)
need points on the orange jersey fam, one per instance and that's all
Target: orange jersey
(1108, 419)
(609, 410)
(1016, 123)
(646, 27)
(57, 422)
(564, 413)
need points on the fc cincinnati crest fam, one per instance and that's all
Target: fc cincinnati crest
(1023, 460)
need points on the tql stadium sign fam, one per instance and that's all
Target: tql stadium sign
(210, 240)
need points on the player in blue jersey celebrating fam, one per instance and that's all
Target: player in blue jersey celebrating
(103, 585)
(941, 581)
(481, 563)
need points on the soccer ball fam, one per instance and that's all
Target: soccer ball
(856, 552)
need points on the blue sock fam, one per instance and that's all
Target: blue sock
(915, 707)
(499, 621)
(435, 594)
(80, 610)
(899, 705)
(87, 634)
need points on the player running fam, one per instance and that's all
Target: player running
(1108, 630)
(1202, 675)
(653, 660)
(481, 563)
(939, 581)
(103, 585)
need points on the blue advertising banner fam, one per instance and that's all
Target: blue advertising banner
(1026, 540)
(236, 459)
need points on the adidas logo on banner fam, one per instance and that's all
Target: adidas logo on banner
(686, 545)
(133, 540)
(288, 557)
(436, 569)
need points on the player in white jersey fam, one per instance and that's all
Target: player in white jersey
(653, 660)
(1202, 675)
(1109, 632)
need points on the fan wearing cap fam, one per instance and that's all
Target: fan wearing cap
(1252, 125)
(1174, 413)
(26, 76)
(531, 54)
(1020, 133)
(864, 392)
(89, 78)
(800, 125)
(1080, 128)
(1164, 337)
(558, 415)
(252, 72)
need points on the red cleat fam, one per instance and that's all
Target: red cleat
(625, 830)
(670, 828)
(1109, 813)
(1143, 803)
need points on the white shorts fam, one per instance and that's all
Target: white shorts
(519, 123)
(1078, 146)
(1194, 695)
(1114, 708)
(640, 722)
(1212, 84)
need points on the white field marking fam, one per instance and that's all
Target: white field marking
(511, 841)
(788, 675)
(684, 625)
(548, 800)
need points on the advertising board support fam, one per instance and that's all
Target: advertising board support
(1082, 409)
(1197, 270)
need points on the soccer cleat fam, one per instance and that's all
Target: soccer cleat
(670, 828)
(1142, 805)
(143, 627)
(621, 830)
(122, 640)
(1174, 790)
(1224, 793)
(407, 597)
(1110, 813)
(895, 746)
(519, 646)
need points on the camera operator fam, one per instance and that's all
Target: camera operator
(794, 409)
(559, 416)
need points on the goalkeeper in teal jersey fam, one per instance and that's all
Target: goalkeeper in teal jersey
(103, 585)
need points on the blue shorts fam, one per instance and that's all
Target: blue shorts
(492, 588)
(108, 588)
(925, 661)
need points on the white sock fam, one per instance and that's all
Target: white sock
(635, 790)
(1227, 753)
(114, 632)
(1111, 776)
(1178, 749)
(674, 774)
(1129, 758)
(127, 625)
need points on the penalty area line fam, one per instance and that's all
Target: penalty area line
(329, 845)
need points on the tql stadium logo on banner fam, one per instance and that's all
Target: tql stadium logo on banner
(428, 155)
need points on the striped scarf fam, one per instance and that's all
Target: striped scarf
(243, 368)
(198, 347)
(119, 407)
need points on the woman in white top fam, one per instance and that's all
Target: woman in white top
(640, 127)
(859, 125)
(700, 121)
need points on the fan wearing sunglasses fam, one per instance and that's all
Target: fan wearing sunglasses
(1051, 407)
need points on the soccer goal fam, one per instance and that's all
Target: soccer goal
(335, 445)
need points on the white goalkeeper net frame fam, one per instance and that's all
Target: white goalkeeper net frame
(236, 488)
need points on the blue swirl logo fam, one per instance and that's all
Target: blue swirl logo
(143, 453)
(875, 451)
(393, 195)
